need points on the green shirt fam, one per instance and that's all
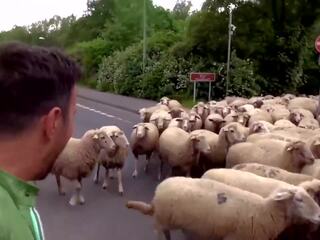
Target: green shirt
(19, 219)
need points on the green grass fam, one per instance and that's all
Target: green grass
(187, 102)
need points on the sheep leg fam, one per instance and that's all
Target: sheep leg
(60, 189)
(96, 176)
(105, 182)
(148, 156)
(77, 197)
(160, 170)
(120, 186)
(164, 235)
(135, 172)
(111, 176)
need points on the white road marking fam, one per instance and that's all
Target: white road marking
(101, 113)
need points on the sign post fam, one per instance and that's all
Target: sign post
(202, 77)
(317, 47)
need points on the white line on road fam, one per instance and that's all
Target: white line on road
(101, 113)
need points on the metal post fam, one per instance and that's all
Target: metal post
(210, 86)
(194, 91)
(144, 35)
(229, 52)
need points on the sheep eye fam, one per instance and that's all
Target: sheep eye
(232, 130)
(103, 137)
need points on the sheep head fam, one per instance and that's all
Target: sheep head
(313, 189)
(140, 130)
(103, 141)
(234, 133)
(298, 202)
(302, 154)
(315, 147)
(200, 143)
(143, 114)
(258, 127)
(295, 117)
(165, 101)
(120, 139)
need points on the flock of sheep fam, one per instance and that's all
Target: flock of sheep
(249, 166)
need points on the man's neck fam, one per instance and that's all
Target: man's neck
(16, 156)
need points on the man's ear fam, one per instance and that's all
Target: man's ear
(51, 121)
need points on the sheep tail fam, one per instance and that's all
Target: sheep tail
(144, 208)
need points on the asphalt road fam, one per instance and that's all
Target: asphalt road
(104, 216)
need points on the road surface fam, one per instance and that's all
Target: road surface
(104, 216)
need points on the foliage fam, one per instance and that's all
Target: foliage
(272, 46)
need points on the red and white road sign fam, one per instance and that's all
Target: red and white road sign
(202, 77)
(317, 44)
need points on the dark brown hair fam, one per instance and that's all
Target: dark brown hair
(33, 80)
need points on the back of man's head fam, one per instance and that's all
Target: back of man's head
(33, 80)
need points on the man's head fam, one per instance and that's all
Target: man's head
(37, 102)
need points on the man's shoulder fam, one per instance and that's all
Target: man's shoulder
(12, 222)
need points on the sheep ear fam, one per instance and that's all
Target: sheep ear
(146, 128)
(283, 195)
(317, 143)
(194, 138)
(289, 148)
(95, 136)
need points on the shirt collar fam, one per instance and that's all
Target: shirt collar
(21, 192)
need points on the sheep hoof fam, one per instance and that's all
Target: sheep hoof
(73, 201)
(121, 194)
(104, 186)
(96, 181)
(62, 193)
(81, 200)
(135, 174)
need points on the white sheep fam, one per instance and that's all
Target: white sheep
(291, 156)
(261, 127)
(195, 121)
(171, 103)
(180, 149)
(305, 103)
(214, 210)
(296, 115)
(257, 184)
(181, 122)
(283, 123)
(78, 159)
(116, 159)
(161, 119)
(259, 115)
(240, 117)
(214, 123)
(312, 170)
(275, 172)
(229, 135)
(143, 141)
(202, 109)
(145, 113)
(309, 123)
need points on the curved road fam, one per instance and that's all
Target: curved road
(104, 216)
